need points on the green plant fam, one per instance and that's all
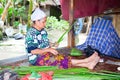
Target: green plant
(21, 11)
(42, 0)
(1, 29)
(52, 22)
(1, 35)
(1, 10)
(29, 12)
(15, 24)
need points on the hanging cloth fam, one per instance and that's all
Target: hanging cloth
(83, 8)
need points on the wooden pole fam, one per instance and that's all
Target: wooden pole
(71, 38)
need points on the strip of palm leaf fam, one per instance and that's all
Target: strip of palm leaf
(70, 74)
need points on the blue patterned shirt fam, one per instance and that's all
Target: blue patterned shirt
(35, 39)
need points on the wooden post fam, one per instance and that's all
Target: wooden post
(71, 38)
(115, 20)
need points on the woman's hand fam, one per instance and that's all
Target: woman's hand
(53, 51)
(42, 51)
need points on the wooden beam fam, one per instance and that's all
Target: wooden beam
(71, 38)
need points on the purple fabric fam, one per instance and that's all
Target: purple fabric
(49, 60)
(84, 8)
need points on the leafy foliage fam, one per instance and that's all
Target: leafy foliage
(15, 24)
(10, 11)
(17, 1)
(42, 0)
(3, 2)
(1, 35)
(1, 10)
(21, 11)
(52, 22)
(29, 12)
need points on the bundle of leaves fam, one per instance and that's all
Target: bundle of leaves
(70, 74)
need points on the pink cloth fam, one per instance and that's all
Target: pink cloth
(84, 8)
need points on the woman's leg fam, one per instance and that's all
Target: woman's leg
(89, 62)
(91, 58)
(89, 65)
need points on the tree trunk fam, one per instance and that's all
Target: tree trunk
(13, 16)
(5, 11)
(35, 4)
(29, 13)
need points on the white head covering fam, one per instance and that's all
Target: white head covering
(37, 14)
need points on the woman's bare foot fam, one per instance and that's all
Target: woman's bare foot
(86, 60)
(90, 62)
(93, 63)
(92, 57)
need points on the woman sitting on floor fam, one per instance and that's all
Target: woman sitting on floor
(41, 54)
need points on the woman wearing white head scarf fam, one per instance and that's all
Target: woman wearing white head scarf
(36, 38)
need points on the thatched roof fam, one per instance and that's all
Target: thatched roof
(50, 2)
